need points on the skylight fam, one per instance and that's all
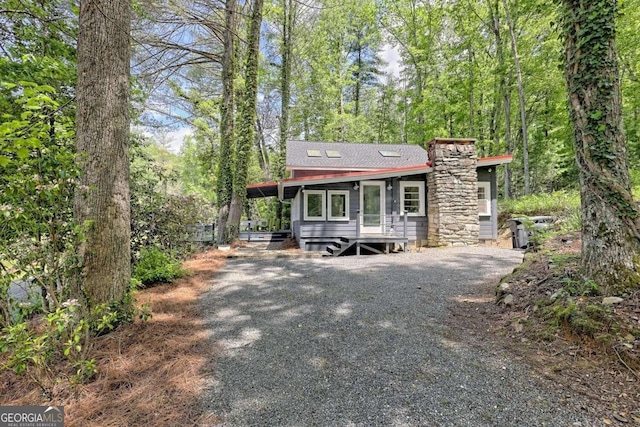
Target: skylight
(314, 153)
(333, 154)
(387, 153)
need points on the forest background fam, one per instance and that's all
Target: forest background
(485, 69)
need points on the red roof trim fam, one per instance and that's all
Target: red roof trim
(495, 158)
(498, 159)
(262, 185)
(358, 174)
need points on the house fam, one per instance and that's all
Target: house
(375, 196)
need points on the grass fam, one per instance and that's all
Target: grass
(558, 203)
(150, 373)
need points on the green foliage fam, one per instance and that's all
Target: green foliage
(155, 266)
(577, 288)
(34, 347)
(579, 317)
(37, 176)
(159, 215)
(558, 203)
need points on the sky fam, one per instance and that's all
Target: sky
(389, 54)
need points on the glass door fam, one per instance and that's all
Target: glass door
(372, 207)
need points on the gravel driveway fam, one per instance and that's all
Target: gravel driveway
(363, 341)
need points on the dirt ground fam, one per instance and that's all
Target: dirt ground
(603, 366)
(150, 373)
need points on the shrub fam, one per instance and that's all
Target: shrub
(156, 266)
(34, 347)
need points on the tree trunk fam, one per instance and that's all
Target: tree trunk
(246, 127)
(225, 164)
(610, 217)
(523, 111)
(504, 91)
(263, 154)
(288, 19)
(102, 142)
(472, 103)
(358, 78)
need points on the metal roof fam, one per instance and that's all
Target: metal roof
(352, 156)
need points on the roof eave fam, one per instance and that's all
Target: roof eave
(357, 176)
(495, 161)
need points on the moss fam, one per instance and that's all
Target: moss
(597, 312)
(584, 325)
(624, 279)
(563, 260)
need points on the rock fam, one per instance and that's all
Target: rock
(518, 327)
(508, 300)
(501, 290)
(612, 300)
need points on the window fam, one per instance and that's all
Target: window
(333, 154)
(484, 199)
(314, 153)
(338, 205)
(314, 202)
(389, 153)
(412, 197)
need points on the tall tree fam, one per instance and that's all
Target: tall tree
(247, 121)
(610, 217)
(521, 98)
(289, 12)
(227, 112)
(102, 141)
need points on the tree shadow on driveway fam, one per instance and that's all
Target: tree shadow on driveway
(363, 341)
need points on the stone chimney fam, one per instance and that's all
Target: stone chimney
(452, 193)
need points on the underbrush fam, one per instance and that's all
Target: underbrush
(156, 266)
(149, 371)
(558, 203)
(549, 301)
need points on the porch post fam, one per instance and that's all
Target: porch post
(452, 193)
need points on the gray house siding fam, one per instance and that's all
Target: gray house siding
(315, 235)
(488, 224)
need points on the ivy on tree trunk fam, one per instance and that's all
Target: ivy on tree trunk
(246, 126)
(225, 159)
(610, 217)
(289, 8)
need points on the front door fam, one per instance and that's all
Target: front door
(372, 207)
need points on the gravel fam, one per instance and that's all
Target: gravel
(364, 341)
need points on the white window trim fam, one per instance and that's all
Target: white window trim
(324, 205)
(487, 192)
(420, 185)
(346, 201)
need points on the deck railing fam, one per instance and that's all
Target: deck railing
(260, 224)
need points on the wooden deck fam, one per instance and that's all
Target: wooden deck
(264, 236)
(374, 243)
